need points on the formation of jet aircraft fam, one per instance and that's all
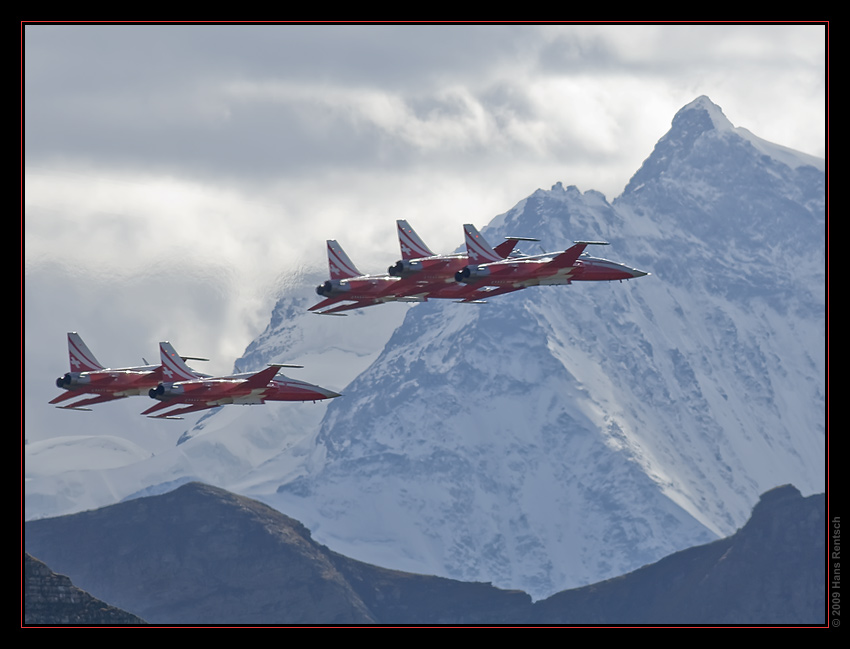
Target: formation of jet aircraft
(89, 377)
(174, 384)
(482, 272)
(426, 275)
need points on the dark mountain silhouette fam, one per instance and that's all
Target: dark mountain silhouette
(771, 571)
(202, 555)
(51, 599)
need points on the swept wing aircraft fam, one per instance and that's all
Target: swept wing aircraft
(185, 392)
(419, 276)
(89, 377)
(508, 275)
(422, 273)
(347, 284)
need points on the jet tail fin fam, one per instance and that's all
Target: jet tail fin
(339, 264)
(412, 246)
(174, 368)
(477, 248)
(79, 355)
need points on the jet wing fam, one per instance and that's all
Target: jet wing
(412, 285)
(360, 304)
(507, 247)
(67, 395)
(182, 411)
(79, 405)
(569, 256)
(327, 302)
(181, 407)
(483, 294)
(160, 405)
(260, 379)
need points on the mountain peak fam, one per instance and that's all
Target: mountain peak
(698, 135)
(704, 105)
(719, 121)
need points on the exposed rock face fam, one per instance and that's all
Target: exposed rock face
(52, 599)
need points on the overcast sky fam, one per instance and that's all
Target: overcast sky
(177, 176)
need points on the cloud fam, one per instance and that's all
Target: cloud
(256, 101)
(175, 174)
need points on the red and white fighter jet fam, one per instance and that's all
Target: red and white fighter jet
(418, 276)
(89, 376)
(422, 273)
(347, 284)
(187, 393)
(508, 275)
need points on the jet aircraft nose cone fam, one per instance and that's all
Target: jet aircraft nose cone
(638, 273)
(323, 393)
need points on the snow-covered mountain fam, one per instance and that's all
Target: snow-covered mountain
(561, 435)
